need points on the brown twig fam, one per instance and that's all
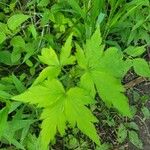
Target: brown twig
(134, 82)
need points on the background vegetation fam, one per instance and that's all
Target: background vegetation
(72, 31)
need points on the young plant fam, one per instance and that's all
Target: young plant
(100, 72)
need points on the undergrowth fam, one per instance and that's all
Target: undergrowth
(65, 68)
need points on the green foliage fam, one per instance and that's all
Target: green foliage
(129, 130)
(104, 78)
(122, 133)
(61, 107)
(146, 112)
(135, 51)
(133, 137)
(16, 20)
(76, 87)
(141, 67)
(2, 37)
(3, 121)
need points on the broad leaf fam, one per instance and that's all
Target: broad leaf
(112, 62)
(60, 107)
(16, 20)
(146, 112)
(133, 125)
(5, 57)
(41, 95)
(105, 71)
(135, 51)
(49, 57)
(18, 41)
(134, 139)
(53, 120)
(141, 67)
(15, 55)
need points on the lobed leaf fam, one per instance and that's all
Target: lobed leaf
(61, 107)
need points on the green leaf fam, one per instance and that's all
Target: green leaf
(2, 37)
(43, 3)
(32, 29)
(18, 41)
(146, 112)
(15, 55)
(111, 92)
(80, 56)
(134, 139)
(16, 20)
(61, 106)
(16, 125)
(100, 18)
(135, 51)
(93, 48)
(4, 28)
(76, 112)
(18, 84)
(47, 73)
(3, 120)
(118, 68)
(65, 55)
(49, 57)
(4, 95)
(54, 120)
(42, 95)
(121, 134)
(133, 125)
(5, 57)
(95, 11)
(103, 74)
(74, 4)
(141, 67)
(32, 142)
(30, 50)
(14, 106)
(87, 83)
(138, 24)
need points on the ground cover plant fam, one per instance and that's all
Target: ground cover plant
(74, 74)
